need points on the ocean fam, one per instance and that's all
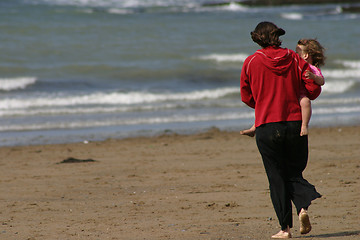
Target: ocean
(89, 70)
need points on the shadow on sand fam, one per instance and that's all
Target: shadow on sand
(338, 234)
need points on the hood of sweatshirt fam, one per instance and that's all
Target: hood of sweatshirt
(276, 59)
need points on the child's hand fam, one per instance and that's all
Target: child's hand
(317, 79)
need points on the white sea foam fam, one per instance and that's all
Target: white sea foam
(292, 16)
(338, 86)
(235, 7)
(116, 3)
(225, 57)
(130, 121)
(336, 101)
(53, 111)
(349, 63)
(9, 84)
(341, 73)
(120, 11)
(64, 111)
(337, 110)
(114, 98)
(103, 102)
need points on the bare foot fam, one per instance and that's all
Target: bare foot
(249, 132)
(305, 226)
(282, 235)
(304, 130)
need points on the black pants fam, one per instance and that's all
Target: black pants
(285, 155)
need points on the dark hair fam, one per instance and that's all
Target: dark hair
(315, 51)
(267, 34)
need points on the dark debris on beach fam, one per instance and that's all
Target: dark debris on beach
(75, 160)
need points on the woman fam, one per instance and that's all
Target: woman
(270, 83)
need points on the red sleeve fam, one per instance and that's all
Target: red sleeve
(313, 90)
(245, 88)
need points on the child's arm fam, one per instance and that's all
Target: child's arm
(319, 80)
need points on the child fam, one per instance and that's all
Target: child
(313, 53)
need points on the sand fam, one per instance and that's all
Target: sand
(203, 186)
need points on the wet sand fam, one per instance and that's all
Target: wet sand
(204, 186)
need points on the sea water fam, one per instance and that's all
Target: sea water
(76, 70)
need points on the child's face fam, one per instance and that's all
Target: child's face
(300, 49)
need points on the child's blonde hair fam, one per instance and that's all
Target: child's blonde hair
(315, 51)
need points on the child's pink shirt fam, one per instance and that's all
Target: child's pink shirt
(316, 70)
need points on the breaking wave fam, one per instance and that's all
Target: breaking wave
(10, 84)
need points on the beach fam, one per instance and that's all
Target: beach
(209, 185)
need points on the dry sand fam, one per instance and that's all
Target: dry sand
(204, 186)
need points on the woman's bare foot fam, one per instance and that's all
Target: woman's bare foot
(305, 226)
(249, 132)
(304, 130)
(283, 234)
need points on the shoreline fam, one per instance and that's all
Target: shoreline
(210, 185)
(70, 136)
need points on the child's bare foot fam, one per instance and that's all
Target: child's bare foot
(248, 132)
(282, 235)
(304, 130)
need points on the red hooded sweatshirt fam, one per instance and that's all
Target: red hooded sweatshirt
(270, 82)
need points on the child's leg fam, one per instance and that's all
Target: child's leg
(305, 105)
(249, 132)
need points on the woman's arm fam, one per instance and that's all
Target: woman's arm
(245, 90)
